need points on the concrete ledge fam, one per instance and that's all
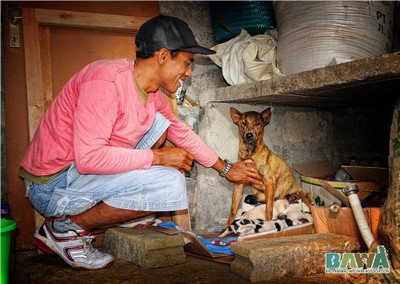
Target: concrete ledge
(268, 259)
(337, 85)
(145, 248)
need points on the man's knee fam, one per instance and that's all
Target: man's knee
(177, 183)
(179, 178)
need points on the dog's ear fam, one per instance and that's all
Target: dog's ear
(235, 114)
(266, 115)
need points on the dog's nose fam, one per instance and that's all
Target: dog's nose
(249, 135)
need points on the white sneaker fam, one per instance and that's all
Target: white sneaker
(74, 247)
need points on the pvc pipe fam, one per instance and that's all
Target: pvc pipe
(351, 191)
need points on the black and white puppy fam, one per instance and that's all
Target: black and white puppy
(298, 211)
(258, 212)
(244, 227)
(248, 203)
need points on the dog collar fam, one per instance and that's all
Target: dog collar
(228, 167)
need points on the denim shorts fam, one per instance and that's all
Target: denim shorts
(156, 189)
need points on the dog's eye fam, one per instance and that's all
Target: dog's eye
(244, 123)
(257, 123)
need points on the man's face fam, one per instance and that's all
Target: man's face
(175, 69)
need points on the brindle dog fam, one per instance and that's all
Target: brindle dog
(278, 177)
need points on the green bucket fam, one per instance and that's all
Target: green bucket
(7, 227)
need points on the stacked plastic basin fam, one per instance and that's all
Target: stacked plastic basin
(7, 228)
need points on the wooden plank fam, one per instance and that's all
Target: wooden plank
(182, 219)
(375, 214)
(46, 65)
(179, 217)
(89, 20)
(34, 78)
(328, 222)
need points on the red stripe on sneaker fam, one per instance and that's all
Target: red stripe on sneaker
(68, 249)
(42, 246)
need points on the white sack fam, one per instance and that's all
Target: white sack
(244, 58)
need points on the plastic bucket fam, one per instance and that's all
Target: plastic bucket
(7, 227)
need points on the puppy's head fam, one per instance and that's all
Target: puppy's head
(292, 198)
(251, 124)
(295, 198)
(251, 199)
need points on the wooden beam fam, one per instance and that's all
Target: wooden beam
(34, 78)
(89, 20)
(46, 65)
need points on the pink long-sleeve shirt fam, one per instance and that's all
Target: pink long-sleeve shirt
(97, 120)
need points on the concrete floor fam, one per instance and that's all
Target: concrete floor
(32, 267)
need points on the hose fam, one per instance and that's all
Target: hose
(351, 191)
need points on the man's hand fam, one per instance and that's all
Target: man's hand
(174, 157)
(241, 172)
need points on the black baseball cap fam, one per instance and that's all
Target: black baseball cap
(168, 32)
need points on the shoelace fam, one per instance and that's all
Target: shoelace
(87, 245)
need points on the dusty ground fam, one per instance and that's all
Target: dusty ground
(32, 267)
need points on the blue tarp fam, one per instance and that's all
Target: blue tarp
(225, 249)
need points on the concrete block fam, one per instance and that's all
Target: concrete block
(274, 258)
(144, 247)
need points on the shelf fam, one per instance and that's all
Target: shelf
(374, 80)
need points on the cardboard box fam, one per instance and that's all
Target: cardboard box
(195, 247)
(368, 179)
(343, 222)
(364, 173)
